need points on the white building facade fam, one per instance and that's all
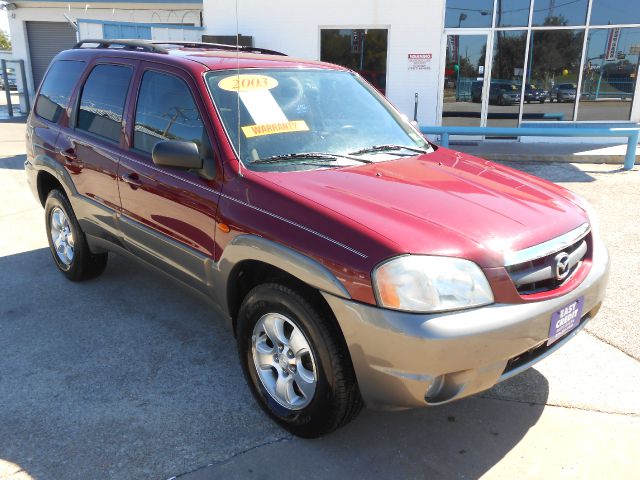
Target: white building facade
(452, 62)
(41, 29)
(470, 62)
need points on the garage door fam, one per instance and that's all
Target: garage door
(46, 40)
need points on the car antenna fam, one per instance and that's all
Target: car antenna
(238, 90)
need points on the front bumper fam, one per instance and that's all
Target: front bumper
(405, 360)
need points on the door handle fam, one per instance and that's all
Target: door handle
(132, 179)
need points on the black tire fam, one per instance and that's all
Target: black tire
(337, 398)
(85, 265)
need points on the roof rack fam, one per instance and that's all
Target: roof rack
(135, 45)
(220, 46)
(155, 46)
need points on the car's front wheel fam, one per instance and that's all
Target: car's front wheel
(295, 361)
(67, 241)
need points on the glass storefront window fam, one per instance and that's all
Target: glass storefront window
(546, 90)
(468, 13)
(610, 73)
(512, 13)
(463, 80)
(506, 78)
(615, 12)
(554, 64)
(559, 12)
(364, 51)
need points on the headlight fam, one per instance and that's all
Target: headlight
(418, 283)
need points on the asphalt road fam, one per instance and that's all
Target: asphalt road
(129, 376)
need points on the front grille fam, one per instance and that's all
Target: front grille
(542, 273)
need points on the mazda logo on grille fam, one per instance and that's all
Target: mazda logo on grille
(562, 266)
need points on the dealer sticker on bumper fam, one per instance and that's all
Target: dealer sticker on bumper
(565, 320)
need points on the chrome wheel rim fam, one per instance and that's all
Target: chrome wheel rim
(284, 361)
(61, 236)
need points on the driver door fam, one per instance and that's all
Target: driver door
(168, 214)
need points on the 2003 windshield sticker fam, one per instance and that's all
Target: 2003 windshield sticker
(247, 83)
(268, 117)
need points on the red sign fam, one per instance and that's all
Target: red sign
(419, 61)
(420, 56)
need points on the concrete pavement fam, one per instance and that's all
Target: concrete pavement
(524, 152)
(127, 376)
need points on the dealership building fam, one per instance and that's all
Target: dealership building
(450, 62)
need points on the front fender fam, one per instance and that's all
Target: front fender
(253, 247)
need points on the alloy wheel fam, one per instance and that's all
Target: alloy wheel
(61, 236)
(284, 361)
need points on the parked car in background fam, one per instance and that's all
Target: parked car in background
(535, 94)
(504, 93)
(499, 93)
(354, 262)
(12, 80)
(564, 92)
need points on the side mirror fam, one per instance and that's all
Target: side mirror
(173, 153)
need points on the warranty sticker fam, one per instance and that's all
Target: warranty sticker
(271, 128)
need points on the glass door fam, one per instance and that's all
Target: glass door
(464, 99)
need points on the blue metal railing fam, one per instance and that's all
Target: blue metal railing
(631, 133)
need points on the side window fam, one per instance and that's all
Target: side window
(102, 100)
(166, 111)
(57, 87)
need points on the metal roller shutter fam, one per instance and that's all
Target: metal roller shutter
(46, 40)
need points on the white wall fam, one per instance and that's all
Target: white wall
(293, 27)
(144, 13)
(174, 33)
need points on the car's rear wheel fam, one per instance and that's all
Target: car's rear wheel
(67, 241)
(295, 362)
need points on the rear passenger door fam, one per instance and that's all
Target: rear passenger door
(168, 214)
(50, 111)
(92, 144)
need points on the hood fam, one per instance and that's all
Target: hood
(443, 203)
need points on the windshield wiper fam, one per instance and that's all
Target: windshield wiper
(386, 148)
(327, 157)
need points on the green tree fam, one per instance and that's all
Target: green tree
(553, 52)
(509, 55)
(5, 43)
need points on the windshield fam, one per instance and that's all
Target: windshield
(289, 112)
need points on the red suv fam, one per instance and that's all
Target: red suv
(355, 262)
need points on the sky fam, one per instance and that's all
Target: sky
(4, 21)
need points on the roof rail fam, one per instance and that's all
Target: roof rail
(220, 46)
(135, 45)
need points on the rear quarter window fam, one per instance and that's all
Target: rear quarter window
(56, 88)
(102, 100)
